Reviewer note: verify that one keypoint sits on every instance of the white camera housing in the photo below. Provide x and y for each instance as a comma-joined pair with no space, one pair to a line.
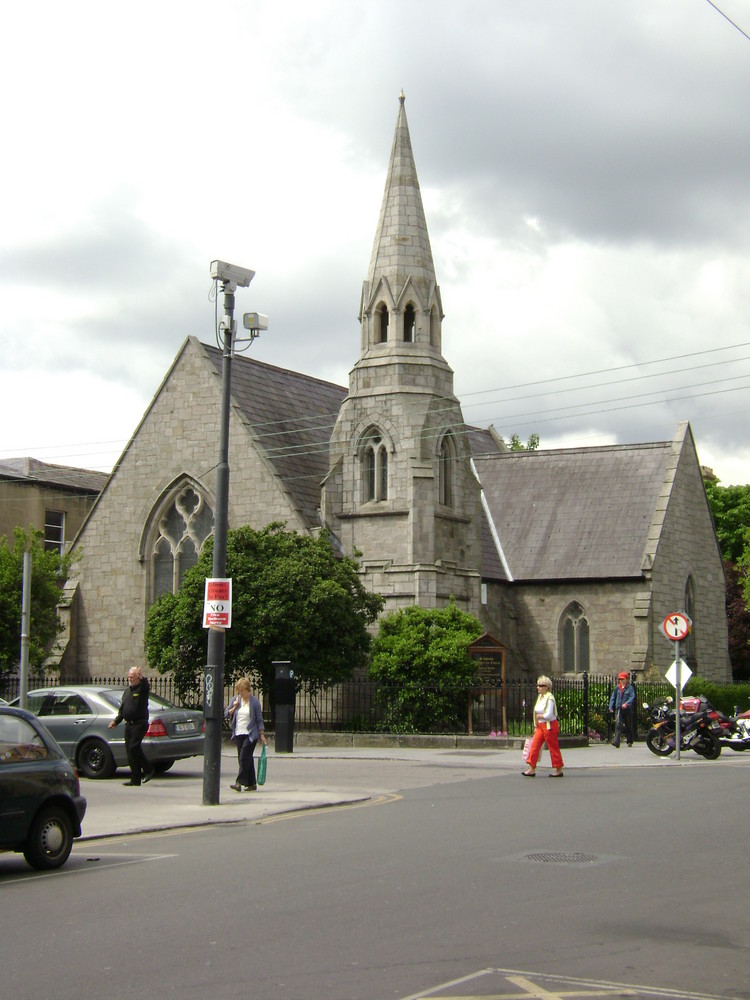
255,321
221,271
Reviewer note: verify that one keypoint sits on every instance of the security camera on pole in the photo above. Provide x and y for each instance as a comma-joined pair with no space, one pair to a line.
676,627
218,620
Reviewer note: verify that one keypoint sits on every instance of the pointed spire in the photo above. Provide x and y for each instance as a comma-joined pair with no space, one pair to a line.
402,244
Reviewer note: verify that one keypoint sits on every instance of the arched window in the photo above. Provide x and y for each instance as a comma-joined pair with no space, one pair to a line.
374,467
185,522
410,320
687,646
446,471
574,640
434,328
381,324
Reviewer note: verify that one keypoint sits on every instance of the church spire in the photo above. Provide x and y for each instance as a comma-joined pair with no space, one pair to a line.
402,244
401,283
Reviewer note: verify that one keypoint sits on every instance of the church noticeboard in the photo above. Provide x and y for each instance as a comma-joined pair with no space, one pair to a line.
489,655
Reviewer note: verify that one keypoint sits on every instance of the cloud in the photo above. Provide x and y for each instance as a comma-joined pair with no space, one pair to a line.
583,168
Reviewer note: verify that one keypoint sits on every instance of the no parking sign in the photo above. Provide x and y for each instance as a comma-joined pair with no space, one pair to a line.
217,604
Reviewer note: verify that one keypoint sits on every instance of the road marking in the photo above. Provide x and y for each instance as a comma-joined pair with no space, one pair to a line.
87,865
300,813
538,986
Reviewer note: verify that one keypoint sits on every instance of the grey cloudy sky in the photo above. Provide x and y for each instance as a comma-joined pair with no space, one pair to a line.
584,170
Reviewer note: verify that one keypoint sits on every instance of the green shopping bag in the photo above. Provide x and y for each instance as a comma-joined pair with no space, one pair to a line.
262,765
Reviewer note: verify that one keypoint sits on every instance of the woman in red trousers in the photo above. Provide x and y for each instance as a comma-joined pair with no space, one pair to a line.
547,728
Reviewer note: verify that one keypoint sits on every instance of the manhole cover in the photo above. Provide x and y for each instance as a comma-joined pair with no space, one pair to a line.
558,858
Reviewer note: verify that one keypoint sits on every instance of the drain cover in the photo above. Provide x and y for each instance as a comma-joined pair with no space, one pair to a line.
557,858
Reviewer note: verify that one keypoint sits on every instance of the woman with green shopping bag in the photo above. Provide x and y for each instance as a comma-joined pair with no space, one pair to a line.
247,728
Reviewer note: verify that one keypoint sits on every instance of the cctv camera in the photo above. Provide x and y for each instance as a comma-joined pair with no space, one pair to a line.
222,271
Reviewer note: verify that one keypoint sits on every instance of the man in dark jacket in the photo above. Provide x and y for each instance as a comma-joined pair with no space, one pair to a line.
134,712
622,705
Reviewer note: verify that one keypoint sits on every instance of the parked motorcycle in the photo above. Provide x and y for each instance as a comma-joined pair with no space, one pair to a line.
733,731
696,732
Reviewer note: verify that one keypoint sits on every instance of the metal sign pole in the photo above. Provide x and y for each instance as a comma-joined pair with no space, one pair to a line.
678,717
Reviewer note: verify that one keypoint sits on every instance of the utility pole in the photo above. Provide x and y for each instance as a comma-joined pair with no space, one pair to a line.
230,277
25,630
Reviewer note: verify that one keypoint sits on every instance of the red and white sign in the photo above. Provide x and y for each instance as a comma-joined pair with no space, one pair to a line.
676,626
217,604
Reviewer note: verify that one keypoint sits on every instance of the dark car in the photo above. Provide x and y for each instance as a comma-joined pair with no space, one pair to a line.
41,806
79,717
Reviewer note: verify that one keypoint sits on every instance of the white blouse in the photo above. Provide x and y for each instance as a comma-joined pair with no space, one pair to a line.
242,727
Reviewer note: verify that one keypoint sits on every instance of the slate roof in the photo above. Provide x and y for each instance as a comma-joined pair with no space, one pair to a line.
574,513
34,472
292,417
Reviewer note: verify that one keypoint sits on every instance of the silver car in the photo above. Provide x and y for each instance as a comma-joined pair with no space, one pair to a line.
79,717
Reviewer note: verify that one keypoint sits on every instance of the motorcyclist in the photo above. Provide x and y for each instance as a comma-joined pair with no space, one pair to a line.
622,706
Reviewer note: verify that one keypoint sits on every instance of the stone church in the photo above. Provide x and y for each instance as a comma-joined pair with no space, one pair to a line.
570,558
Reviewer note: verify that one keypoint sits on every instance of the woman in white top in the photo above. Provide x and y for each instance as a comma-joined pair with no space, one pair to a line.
546,730
247,728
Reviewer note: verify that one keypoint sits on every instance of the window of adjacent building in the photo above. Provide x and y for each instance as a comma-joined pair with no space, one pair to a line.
54,531
446,471
185,524
410,320
574,640
375,468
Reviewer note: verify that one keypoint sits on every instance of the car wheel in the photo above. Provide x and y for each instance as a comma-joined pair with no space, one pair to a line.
50,839
162,766
95,760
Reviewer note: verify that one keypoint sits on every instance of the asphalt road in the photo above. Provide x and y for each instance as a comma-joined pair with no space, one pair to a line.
452,877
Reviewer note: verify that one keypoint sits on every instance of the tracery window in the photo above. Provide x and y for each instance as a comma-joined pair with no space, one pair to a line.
183,527
446,471
374,467
574,639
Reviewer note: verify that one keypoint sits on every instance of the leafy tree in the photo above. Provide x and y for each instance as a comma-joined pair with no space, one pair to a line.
730,508
423,653
48,572
516,444
292,599
738,620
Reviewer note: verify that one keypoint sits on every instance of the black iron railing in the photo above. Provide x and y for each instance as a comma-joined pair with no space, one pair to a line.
486,708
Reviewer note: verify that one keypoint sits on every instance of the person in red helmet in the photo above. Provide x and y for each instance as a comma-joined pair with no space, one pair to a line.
622,706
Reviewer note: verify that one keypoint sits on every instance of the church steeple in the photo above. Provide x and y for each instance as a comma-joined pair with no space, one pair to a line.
400,298
400,491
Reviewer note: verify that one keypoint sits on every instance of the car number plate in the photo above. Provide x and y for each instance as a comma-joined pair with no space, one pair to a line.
184,727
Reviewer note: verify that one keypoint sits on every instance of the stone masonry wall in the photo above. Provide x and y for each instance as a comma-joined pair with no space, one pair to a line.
179,435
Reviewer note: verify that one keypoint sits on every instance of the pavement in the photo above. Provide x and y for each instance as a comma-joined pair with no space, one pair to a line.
316,777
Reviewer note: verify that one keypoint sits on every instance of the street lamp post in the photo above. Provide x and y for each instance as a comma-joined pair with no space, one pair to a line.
213,694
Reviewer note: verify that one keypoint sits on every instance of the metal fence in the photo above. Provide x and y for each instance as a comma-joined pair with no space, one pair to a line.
486,708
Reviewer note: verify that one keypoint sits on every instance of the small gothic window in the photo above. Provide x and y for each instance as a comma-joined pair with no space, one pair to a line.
381,324
409,324
434,328
375,468
183,527
687,646
574,640
446,472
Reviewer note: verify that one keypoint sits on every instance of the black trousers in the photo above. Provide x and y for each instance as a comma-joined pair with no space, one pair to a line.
139,765
626,722
245,750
